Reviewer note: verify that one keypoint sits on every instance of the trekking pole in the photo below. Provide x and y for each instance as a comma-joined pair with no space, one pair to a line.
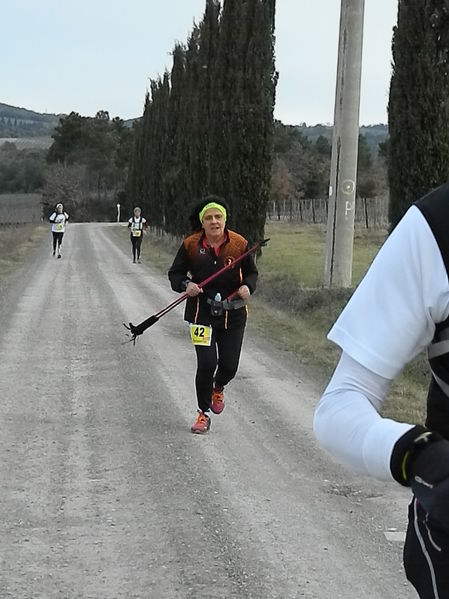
139,329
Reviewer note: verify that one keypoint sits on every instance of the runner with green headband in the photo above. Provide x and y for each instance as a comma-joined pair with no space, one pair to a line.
217,313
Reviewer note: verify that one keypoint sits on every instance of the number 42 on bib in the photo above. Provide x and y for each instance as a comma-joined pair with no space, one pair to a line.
201,334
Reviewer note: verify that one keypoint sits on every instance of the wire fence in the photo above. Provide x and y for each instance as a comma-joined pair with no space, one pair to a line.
371,213
20,208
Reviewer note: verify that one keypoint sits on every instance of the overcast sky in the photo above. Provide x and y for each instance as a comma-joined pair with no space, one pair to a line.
89,55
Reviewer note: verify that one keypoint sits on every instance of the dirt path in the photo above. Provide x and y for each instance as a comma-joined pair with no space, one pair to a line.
105,493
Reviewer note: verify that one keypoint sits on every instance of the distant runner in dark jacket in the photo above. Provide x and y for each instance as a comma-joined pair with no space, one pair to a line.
137,224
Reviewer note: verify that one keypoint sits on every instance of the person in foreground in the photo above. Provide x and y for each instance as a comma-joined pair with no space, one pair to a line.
58,221
400,308
216,313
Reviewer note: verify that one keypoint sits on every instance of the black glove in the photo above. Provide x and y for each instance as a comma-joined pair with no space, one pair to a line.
425,467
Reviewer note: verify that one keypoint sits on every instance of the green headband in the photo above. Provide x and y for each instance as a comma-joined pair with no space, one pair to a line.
219,207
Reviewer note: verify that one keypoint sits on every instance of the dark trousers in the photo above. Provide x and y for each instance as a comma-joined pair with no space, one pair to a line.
218,363
426,555
136,243
57,239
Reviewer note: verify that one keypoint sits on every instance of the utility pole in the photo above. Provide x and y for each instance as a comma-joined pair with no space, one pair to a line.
343,175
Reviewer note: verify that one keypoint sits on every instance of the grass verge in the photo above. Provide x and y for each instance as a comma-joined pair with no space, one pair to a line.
294,311
16,243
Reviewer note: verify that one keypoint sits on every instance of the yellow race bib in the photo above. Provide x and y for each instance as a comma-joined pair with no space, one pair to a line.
137,233
201,334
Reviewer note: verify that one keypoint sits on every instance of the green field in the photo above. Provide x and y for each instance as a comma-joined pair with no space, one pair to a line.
297,311
297,251
28,143
20,208
294,310
16,244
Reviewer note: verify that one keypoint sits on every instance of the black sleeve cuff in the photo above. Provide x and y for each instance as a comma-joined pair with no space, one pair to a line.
405,451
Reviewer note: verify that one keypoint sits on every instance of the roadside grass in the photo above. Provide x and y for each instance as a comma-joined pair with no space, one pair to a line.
16,242
294,312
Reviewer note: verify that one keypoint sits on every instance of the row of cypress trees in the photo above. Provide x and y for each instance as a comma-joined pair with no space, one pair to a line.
419,103
207,125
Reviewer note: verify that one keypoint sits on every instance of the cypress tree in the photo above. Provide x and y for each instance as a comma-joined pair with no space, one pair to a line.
134,183
243,123
207,57
153,135
419,103
159,143
207,127
174,163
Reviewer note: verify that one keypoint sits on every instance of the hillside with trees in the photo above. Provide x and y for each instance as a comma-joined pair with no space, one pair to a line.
301,163
20,122
82,146
88,165
300,167
373,134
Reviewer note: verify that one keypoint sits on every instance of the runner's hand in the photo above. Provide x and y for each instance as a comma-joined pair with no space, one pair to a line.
193,290
430,482
244,292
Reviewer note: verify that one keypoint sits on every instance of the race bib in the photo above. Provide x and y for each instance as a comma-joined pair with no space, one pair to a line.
201,334
137,233
59,226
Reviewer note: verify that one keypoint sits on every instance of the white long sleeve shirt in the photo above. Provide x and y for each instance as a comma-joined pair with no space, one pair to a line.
58,221
387,322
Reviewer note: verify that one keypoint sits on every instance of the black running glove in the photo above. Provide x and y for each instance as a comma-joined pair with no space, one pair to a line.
420,460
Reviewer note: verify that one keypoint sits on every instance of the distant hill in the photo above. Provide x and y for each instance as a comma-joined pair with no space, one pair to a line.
23,123
375,134
20,122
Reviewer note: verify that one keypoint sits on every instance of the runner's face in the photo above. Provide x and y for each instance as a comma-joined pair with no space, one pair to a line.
137,213
60,209
213,223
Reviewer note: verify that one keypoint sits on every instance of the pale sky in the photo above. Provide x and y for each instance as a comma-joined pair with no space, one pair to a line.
90,55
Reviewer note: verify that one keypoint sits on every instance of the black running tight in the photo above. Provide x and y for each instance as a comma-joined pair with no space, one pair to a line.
426,555
57,239
218,363
136,243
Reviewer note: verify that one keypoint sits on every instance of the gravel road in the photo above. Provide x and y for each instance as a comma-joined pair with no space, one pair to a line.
107,494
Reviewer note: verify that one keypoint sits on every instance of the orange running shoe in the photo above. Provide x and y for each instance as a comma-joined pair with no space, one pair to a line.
217,401
202,424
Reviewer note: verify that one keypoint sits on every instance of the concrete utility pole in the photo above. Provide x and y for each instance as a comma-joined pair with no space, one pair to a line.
342,188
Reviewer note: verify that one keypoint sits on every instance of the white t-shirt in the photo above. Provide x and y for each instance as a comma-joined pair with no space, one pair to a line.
137,224
58,222
388,321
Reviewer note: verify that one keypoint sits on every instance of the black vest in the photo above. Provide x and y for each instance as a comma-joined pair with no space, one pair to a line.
435,209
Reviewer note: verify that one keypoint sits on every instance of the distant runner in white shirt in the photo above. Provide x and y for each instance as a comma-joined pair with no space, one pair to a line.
137,224
59,220
400,308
